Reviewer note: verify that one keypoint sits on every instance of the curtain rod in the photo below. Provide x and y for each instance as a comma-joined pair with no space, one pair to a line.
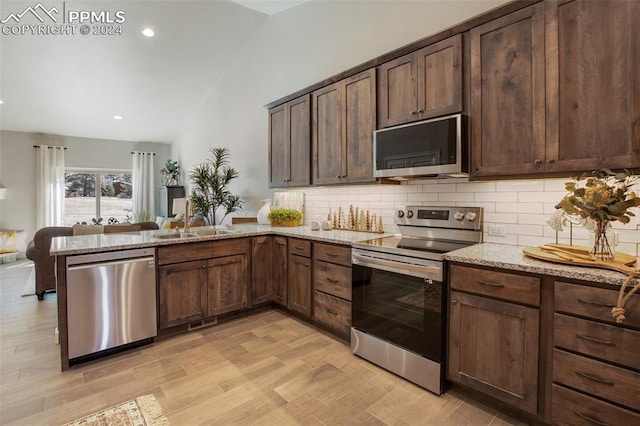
50,147
145,153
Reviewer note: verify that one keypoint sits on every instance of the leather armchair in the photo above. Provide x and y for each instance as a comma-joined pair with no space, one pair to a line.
38,251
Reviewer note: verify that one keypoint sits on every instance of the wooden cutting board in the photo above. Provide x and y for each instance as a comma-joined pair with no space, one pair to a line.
578,256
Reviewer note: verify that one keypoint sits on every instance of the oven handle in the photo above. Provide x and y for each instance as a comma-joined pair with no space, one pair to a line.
428,272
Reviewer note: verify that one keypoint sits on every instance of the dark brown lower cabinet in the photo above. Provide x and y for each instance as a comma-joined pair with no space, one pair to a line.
299,292
226,284
182,296
493,348
279,280
262,267
202,280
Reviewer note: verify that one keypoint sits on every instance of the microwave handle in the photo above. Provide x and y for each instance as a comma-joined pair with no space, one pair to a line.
426,272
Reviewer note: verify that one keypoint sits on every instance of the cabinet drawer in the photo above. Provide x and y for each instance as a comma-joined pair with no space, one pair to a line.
608,342
598,378
502,285
572,409
332,279
202,250
594,303
334,254
331,311
300,247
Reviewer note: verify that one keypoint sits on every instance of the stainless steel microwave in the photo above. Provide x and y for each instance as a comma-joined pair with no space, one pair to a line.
430,148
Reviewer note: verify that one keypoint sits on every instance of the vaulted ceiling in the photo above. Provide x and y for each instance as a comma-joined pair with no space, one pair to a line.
74,84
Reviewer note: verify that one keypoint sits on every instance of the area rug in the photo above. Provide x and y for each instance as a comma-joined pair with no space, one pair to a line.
142,411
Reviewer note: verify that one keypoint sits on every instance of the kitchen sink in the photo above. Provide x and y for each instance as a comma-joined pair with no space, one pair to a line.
199,233
173,236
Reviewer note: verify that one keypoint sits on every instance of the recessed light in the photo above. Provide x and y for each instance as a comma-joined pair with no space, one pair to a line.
117,117
148,32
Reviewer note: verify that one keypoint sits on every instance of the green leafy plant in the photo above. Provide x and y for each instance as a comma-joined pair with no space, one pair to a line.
276,216
171,172
211,186
605,196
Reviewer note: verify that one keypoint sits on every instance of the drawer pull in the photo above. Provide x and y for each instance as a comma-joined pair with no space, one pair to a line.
332,280
332,255
590,420
331,311
491,284
299,248
594,378
596,303
594,340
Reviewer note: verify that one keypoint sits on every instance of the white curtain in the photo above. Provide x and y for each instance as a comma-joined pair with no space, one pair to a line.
143,186
49,186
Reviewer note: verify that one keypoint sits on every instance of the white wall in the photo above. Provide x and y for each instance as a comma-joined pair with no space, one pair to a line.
294,49
17,169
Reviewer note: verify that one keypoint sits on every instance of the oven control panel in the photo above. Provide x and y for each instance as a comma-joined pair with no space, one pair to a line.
440,217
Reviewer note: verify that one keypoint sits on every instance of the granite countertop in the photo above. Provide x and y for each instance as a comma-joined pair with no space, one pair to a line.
511,257
82,244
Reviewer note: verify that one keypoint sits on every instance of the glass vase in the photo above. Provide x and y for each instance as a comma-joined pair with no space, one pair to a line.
601,249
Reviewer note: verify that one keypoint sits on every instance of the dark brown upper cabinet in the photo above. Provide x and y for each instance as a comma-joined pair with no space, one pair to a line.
290,143
508,94
423,84
344,118
593,84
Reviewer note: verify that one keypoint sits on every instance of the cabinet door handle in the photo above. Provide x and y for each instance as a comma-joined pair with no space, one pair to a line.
332,280
551,160
454,301
594,378
594,340
420,111
537,161
331,311
491,284
596,303
590,420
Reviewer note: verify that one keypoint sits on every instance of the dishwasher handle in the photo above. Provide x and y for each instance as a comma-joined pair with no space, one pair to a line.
150,259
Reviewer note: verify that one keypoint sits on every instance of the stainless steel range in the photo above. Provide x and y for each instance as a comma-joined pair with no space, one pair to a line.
399,291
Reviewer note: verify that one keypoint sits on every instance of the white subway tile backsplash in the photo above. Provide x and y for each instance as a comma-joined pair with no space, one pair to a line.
520,185
520,206
476,187
505,197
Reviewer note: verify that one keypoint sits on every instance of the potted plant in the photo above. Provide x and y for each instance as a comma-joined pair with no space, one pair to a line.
284,217
211,186
170,173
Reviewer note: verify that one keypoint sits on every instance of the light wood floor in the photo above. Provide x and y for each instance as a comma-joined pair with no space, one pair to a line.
267,369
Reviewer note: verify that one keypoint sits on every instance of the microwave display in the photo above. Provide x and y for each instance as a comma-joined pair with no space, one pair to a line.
422,148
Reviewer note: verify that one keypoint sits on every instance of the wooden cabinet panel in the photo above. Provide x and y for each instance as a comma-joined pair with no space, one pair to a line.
332,279
597,378
440,78
576,409
501,285
603,341
508,94
423,84
594,303
202,250
493,348
279,277
397,91
300,286
262,266
300,247
333,312
344,117
290,143
181,293
593,84
327,134
227,284
332,253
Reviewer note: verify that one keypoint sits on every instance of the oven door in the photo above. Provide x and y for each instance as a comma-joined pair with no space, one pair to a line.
400,301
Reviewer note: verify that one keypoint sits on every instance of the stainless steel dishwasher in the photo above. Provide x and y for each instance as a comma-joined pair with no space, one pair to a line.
111,300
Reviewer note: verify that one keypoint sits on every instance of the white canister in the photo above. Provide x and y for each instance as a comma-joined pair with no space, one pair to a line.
265,208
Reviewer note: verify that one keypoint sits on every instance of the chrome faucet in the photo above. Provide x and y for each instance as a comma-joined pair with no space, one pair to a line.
186,215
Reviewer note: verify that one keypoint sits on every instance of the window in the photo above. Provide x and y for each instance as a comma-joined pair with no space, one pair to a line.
82,202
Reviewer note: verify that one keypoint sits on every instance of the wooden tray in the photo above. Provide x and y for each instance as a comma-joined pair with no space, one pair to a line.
578,256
